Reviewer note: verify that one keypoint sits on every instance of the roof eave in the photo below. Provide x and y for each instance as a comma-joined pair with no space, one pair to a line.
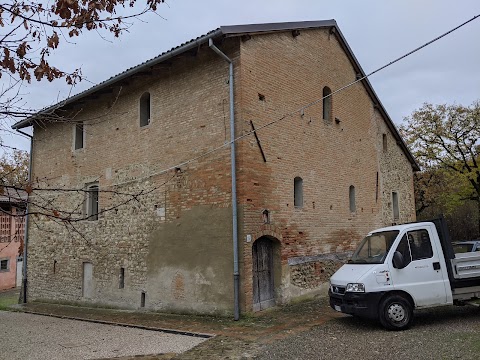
115,79
236,30
378,103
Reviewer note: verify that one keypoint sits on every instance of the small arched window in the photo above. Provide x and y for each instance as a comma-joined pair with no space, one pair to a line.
327,103
145,109
351,197
298,192
266,216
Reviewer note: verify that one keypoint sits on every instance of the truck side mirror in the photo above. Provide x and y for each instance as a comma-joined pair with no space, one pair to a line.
398,262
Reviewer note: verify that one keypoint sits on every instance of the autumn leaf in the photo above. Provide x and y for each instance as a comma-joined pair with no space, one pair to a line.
52,41
22,49
28,189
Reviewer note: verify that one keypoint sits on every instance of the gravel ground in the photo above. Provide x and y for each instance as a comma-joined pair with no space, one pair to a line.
26,336
442,333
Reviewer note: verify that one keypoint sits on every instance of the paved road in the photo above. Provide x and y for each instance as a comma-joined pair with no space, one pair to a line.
26,336
442,333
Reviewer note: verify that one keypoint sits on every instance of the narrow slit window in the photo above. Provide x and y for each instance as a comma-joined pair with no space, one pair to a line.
142,299
121,284
145,109
385,144
79,136
298,192
351,196
92,202
396,210
327,103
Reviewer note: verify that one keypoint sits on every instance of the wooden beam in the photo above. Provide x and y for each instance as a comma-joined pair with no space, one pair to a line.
258,141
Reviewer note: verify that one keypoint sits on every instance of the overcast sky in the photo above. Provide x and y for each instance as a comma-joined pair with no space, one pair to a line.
378,32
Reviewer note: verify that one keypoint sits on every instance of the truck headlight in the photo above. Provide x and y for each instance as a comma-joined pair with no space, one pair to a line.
355,287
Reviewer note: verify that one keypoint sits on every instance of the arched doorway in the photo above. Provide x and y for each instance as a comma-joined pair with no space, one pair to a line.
263,273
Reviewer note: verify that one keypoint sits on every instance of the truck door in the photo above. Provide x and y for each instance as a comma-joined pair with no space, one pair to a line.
423,277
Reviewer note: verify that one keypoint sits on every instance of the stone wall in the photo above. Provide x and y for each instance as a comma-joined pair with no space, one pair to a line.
173,239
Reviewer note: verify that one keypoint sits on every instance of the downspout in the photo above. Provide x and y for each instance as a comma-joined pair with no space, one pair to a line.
236,275
25,242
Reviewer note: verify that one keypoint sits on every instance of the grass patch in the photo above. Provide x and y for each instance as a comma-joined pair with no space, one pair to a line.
6,301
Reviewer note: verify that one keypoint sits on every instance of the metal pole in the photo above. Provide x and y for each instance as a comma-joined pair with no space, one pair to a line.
25,242
236,274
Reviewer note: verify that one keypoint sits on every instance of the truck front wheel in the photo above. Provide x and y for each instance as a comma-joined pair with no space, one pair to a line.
395,313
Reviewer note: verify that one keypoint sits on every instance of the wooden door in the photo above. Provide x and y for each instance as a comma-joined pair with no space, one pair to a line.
263,284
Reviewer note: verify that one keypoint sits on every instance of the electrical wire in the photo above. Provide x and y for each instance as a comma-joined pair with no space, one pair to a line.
301,109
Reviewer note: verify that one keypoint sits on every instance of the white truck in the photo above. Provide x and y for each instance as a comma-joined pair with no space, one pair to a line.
401,268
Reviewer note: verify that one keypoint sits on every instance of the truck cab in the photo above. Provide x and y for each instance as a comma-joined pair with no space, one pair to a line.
400,268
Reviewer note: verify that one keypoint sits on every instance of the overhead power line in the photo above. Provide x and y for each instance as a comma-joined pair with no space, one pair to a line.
301,109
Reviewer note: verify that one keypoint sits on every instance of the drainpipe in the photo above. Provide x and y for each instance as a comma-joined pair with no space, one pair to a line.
25,242
236,275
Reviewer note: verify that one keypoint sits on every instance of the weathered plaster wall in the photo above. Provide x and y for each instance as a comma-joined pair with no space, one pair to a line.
11,240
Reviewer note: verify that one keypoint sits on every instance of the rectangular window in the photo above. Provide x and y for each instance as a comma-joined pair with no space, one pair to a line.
79,136
298,192
5,265
145,109
385,145
92,202
396,211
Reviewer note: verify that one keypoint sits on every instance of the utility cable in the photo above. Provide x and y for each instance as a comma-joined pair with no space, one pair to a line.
300,110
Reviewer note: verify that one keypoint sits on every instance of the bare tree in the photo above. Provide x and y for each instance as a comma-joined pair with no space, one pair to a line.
32,30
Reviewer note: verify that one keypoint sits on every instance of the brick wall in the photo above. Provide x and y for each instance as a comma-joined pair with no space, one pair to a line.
328,155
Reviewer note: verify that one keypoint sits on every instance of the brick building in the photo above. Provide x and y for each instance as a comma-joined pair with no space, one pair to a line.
309,186
12,231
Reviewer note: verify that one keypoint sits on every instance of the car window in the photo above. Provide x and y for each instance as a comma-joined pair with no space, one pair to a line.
415,245
420,245
404,249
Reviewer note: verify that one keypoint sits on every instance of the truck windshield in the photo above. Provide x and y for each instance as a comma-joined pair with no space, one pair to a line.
374,248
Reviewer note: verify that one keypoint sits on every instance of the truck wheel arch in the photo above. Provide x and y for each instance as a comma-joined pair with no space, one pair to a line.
404,294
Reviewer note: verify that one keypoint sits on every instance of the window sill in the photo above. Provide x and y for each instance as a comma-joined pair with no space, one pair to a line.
78,151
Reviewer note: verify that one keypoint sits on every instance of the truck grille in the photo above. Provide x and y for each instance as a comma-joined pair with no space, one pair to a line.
338,289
